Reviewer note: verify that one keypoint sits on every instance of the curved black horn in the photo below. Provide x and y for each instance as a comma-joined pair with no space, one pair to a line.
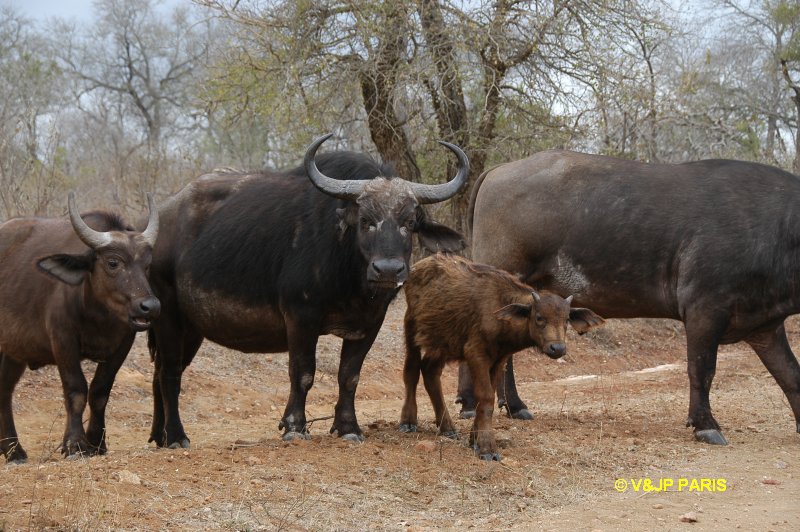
437,193
90,237
151,232
349,189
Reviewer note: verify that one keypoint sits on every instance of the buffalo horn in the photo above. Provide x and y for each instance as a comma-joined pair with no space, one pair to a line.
436,193
349,189
90,237
151,232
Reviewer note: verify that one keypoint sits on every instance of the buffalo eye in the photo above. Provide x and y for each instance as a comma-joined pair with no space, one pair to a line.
112,264
540,321
410,224
366,224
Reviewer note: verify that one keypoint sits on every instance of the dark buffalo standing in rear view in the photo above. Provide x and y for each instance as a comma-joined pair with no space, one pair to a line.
268,262
715,244
459,310
61,302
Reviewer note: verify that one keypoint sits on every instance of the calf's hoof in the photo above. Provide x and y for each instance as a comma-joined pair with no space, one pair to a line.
292,435
491,456
711,436
183,443
353,437
522,414
407,427
466,414
452,434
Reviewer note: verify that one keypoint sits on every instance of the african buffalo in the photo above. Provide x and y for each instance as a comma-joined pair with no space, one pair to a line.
269,261
715,244
71,290
460,310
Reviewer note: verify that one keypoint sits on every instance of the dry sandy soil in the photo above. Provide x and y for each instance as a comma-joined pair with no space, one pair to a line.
614,408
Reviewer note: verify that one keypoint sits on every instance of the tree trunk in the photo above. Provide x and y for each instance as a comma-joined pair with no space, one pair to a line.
448,99
378,80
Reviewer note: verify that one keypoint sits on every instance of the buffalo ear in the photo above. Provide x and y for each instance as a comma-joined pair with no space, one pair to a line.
512,311
436,237
583,319
348,217
70,269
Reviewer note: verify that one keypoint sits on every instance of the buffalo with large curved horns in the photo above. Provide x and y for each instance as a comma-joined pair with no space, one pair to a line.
269,261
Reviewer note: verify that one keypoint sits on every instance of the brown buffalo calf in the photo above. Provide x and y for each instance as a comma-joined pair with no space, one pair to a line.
459,310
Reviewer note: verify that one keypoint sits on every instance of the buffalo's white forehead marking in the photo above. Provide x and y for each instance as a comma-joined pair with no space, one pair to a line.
385,198
568,275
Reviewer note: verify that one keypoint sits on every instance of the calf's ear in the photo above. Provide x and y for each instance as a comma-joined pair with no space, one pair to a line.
436,237
512,311
583,319
70,269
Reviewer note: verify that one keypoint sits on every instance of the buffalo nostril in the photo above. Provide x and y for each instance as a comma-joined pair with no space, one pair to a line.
150,306
392,267
557,349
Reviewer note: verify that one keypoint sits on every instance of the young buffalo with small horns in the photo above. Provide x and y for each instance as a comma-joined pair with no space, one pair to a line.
460,310
71,290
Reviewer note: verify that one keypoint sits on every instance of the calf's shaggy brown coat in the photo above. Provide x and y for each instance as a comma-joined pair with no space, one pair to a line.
459,310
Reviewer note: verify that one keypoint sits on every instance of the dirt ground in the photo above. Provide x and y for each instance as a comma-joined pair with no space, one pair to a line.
609,414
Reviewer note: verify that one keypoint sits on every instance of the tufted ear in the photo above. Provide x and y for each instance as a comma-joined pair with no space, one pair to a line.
70,269
512,311
583,319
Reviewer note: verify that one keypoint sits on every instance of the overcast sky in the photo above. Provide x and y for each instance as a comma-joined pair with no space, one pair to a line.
76,9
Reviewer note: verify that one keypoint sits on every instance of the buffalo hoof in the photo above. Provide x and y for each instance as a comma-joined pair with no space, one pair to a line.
289,436
466,414
180,444
712,436
353,437
489,457
16,455
76,455
522,414
407,427
452,434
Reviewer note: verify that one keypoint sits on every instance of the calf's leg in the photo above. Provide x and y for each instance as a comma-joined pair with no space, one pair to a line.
482,436
432,366
10,373
411,371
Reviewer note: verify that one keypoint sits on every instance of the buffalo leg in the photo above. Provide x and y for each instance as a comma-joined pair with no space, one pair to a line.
353,354
702,339
466,393
76,391
10,373
302,367
481,436
173,349
773,349
99,391
507,395
411,370
432,367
